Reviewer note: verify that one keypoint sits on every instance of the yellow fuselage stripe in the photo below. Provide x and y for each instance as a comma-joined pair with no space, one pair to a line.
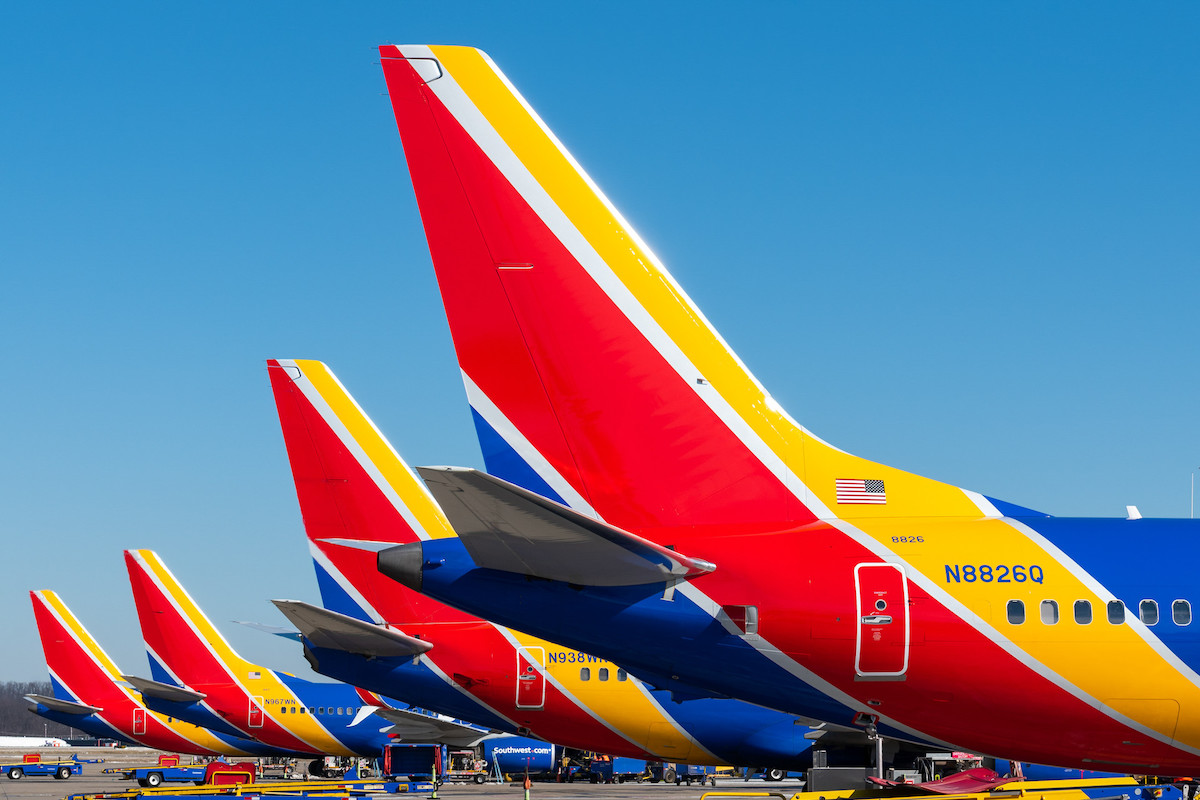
620,704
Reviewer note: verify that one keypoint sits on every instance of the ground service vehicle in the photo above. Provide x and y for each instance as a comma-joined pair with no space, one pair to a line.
176,773
32,765
465,766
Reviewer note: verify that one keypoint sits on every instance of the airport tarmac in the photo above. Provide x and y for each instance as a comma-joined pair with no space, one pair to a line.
93,782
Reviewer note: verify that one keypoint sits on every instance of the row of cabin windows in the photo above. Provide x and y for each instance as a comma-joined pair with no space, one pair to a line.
585,674
1181,612
321,710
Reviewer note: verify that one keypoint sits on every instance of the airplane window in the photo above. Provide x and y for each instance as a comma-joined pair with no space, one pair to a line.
1016,611
1083,612
339,711
585,674
603,674
1050,612
1148,612
321,710
310,710
622,675
1116,612
1181,612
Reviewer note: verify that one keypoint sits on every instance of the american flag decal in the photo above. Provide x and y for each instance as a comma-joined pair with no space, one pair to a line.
851,491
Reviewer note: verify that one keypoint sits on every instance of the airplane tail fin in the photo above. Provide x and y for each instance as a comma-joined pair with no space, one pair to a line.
183,645
357,496
80,671
593,378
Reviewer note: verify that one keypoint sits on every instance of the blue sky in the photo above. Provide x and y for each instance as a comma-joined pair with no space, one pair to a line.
959,238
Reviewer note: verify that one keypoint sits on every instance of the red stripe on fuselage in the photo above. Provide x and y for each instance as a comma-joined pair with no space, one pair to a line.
960,686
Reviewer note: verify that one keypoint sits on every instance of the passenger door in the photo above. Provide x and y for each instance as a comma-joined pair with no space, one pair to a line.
256,712
531,677
881,651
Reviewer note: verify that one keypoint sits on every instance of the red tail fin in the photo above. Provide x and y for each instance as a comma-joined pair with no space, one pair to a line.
79,667
356,495
182,643
584,361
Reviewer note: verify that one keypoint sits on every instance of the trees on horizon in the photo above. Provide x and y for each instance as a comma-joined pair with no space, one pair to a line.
17,720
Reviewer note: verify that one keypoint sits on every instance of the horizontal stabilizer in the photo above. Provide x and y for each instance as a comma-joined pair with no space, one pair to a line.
63,706
334,631
163,691
507,528
412,726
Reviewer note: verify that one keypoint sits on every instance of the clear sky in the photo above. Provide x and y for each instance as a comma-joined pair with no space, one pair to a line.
960,238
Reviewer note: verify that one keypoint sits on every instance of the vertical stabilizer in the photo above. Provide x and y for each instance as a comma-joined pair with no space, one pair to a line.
585,363
357,496
185,648
183,645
